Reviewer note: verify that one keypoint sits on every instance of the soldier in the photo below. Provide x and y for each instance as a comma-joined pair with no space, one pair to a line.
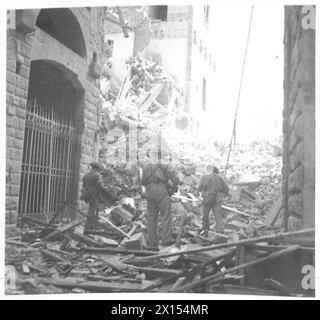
91,188
160,182
212,186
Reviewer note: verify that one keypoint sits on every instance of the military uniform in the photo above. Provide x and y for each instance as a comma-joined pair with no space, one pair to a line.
92,186
212,187
155,178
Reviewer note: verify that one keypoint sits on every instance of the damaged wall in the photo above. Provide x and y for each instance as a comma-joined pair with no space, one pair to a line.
201,102
170,30
299,118
27,42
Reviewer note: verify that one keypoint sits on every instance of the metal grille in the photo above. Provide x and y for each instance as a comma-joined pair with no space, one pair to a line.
47,162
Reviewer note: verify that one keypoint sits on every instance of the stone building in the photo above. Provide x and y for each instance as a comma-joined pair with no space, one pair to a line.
299,118
169,42
201,78
53,58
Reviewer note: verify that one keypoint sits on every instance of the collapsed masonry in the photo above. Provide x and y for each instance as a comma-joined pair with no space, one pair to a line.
251,257
60,257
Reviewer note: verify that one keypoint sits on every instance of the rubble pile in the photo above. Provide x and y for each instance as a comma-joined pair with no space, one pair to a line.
61,258
48,258
51,257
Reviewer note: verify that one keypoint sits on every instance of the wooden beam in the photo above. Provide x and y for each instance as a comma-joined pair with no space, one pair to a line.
115,227
106,250
95,286
278,236
122,23
53,256
112,20
62,229
189,273
235,211
273,213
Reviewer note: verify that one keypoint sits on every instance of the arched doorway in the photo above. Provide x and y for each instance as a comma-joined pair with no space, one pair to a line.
62,25
49,166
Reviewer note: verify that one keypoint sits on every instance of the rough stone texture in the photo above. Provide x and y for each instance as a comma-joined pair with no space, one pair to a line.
296,157
299,122
22,49
295,183
294,223
295,205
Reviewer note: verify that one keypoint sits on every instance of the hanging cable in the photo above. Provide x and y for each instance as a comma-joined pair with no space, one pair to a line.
233,135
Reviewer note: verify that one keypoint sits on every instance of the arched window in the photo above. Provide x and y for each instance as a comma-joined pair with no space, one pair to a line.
62,25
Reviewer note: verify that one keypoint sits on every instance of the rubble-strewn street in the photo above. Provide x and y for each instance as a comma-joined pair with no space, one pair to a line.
60,258
117,122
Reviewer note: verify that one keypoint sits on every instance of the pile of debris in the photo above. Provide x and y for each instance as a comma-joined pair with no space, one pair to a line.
145,110
51,257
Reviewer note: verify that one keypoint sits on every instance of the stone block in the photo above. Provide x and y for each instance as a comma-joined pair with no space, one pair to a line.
136,242
8,218
21,113
296,159
299,103
15,178
18,134
16,101
295,183
11,203
294,223
21,93
17,154
15,165
17,143
11,78
10,131
293,141
299,127
25,20
20,124
9,141
121,216
12,217
11,65
295,205
14,191
22,83
10,89
95,70
24,72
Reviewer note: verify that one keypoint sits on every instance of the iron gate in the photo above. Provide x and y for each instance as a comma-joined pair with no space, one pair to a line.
48,161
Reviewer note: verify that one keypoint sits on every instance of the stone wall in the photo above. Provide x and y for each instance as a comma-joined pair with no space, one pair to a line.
299,120
23,47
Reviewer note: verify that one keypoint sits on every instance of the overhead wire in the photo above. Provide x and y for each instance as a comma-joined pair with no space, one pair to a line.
233,135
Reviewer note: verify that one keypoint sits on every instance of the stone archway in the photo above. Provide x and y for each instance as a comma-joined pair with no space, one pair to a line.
63,25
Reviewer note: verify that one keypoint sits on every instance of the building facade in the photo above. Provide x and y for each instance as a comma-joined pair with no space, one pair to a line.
169,42
53,58
200,102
